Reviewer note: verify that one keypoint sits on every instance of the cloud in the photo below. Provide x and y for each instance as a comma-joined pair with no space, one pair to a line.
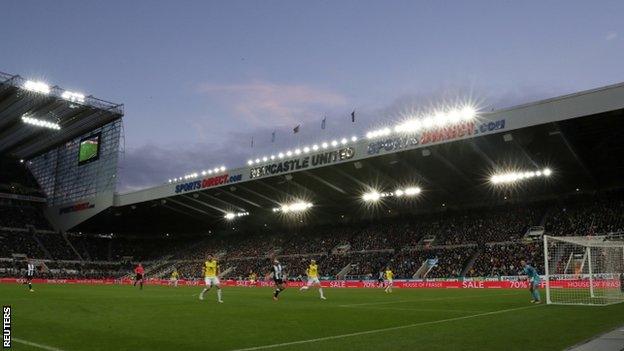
151,164
611,36
259,102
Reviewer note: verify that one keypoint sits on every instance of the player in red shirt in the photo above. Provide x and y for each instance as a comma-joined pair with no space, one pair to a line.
139,271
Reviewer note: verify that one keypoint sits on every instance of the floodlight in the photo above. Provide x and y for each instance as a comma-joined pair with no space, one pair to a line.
412,191
293,207
73,97
40,123
37,87
468,113
513,176
371,196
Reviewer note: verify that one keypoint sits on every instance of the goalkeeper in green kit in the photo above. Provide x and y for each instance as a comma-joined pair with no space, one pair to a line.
534,281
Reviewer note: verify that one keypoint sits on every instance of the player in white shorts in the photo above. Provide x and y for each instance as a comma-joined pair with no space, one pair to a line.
313,278
211,277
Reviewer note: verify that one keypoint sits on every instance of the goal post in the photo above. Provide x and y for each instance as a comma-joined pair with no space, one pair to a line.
582,270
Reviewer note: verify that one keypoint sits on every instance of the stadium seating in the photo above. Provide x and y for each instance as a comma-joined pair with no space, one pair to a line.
478,242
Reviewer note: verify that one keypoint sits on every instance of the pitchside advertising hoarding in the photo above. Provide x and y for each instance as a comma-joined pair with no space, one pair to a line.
495,283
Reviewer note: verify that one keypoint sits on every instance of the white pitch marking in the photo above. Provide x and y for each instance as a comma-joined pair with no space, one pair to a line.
375,331
433,299
34,344
416,309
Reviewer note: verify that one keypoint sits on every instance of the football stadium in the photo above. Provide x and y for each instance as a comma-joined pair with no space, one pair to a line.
452,229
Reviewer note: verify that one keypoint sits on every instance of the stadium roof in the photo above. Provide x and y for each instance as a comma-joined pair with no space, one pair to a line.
577,137
35,117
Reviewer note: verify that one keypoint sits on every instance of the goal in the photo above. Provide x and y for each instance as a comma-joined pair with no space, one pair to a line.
582,270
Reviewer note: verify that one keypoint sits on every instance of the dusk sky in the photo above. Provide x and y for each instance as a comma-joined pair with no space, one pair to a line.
199,79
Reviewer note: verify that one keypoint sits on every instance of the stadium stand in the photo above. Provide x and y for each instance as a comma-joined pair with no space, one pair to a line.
479,242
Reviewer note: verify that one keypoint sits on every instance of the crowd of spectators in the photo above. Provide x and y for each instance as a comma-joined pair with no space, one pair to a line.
587,215
22,216
504,259
492,236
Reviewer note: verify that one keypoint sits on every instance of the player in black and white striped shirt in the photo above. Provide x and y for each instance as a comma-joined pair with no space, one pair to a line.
30,273
278,278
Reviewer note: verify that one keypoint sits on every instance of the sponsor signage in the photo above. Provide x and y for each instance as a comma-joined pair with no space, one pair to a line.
77,207
452,132
302,163
406,284
208,182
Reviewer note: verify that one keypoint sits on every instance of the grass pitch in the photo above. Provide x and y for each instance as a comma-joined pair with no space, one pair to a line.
81,317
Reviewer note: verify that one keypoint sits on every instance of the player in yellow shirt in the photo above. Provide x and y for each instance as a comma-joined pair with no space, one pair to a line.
174,278
211,277
313,278
389,277
253,277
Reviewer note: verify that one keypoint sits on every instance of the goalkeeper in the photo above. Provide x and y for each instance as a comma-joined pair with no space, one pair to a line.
534,281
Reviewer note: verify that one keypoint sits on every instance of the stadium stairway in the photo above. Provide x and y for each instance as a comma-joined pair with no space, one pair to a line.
64,235
40,244
158,264
227,271
471,262
344,271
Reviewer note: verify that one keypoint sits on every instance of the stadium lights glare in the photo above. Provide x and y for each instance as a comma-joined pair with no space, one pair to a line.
40,123
374,196
37,87
294,207
438,119
73,97
303,150
514,177
232,215
196,175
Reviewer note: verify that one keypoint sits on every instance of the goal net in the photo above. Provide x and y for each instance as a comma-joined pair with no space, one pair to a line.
582,270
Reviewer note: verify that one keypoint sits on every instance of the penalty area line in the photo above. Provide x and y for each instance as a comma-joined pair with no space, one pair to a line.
375,331
34,344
